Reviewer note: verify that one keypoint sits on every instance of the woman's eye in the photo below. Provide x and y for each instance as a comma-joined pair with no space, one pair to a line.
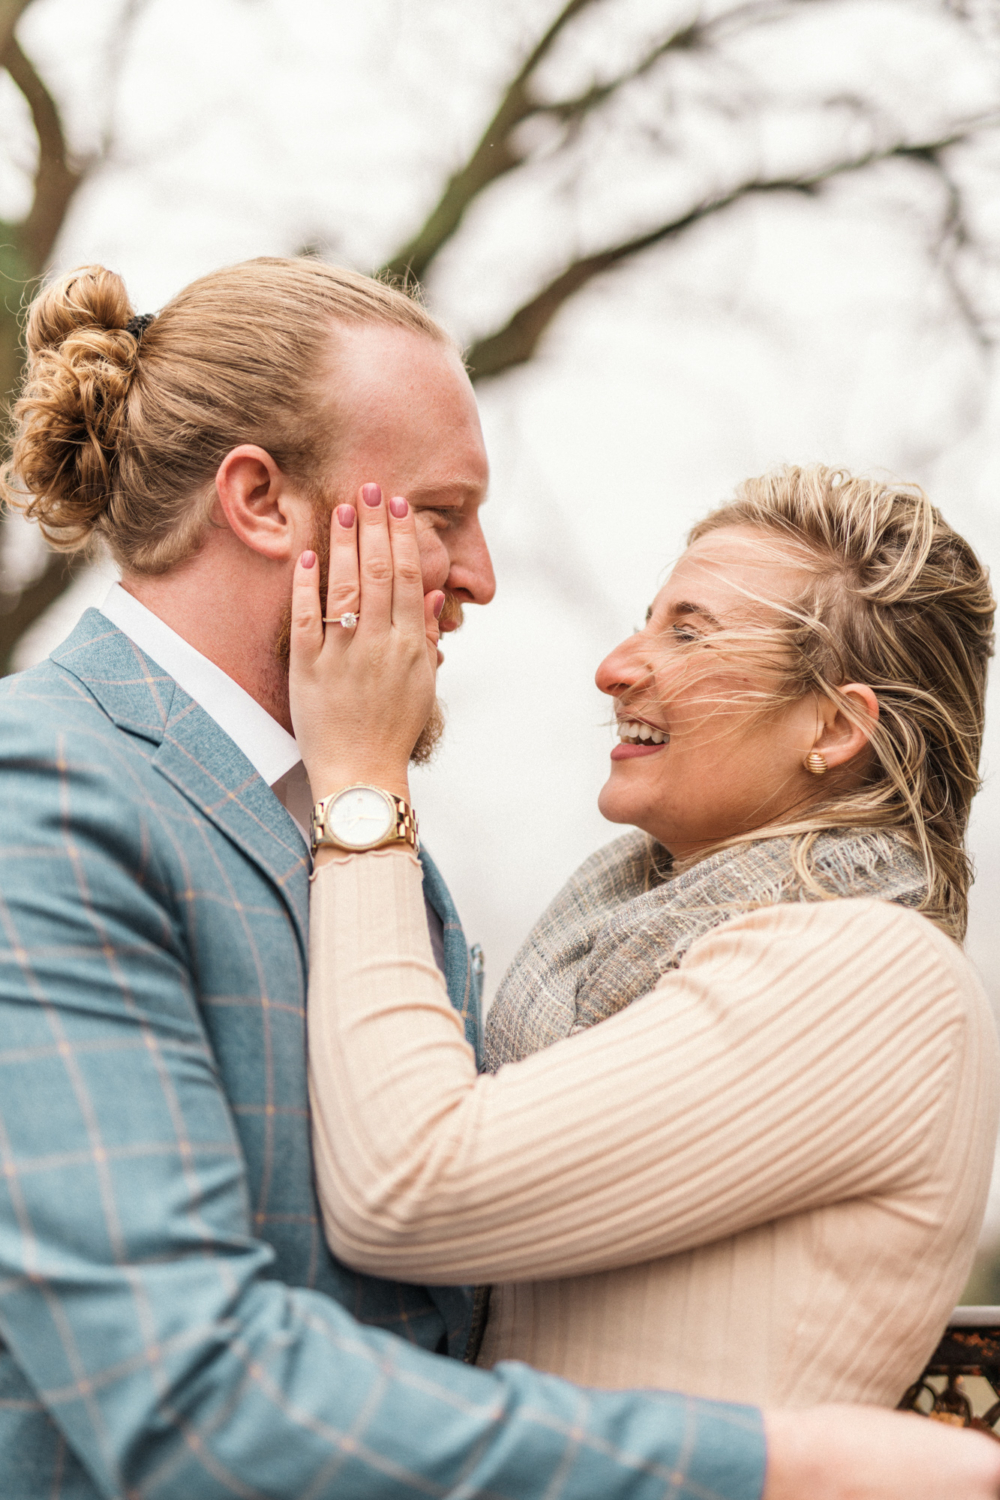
686,633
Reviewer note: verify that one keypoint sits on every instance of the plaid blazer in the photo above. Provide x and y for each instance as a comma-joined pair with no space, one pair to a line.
173,1323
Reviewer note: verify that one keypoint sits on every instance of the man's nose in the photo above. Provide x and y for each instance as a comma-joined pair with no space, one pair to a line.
470,574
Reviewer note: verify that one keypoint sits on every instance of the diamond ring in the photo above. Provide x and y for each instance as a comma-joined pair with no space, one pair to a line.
348,619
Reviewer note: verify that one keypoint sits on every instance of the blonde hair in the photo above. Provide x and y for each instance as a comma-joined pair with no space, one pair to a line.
118,431
899,601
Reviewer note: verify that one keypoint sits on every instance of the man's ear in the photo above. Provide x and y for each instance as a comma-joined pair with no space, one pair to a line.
258,506
839,738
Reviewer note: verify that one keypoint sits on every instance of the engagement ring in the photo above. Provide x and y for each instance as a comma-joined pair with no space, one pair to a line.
349,619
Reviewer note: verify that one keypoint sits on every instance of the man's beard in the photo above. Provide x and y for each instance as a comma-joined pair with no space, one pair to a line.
432,733
429,738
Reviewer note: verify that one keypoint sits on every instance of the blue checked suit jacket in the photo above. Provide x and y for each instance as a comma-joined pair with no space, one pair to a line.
173,1323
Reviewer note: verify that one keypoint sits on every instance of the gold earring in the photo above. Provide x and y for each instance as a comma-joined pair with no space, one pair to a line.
816,763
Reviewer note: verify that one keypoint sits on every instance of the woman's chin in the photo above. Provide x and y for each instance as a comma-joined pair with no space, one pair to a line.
616,806
619,801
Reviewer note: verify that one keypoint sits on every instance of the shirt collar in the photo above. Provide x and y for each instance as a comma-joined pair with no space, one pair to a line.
269,748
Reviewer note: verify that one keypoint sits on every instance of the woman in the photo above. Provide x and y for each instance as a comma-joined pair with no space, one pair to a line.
762,1175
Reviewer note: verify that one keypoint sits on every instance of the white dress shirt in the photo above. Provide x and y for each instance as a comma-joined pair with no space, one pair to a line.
269,748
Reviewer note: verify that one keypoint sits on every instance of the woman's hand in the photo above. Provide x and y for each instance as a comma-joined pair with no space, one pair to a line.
360,696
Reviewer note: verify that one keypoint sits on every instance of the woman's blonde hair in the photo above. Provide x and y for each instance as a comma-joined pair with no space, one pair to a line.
899,601
120,427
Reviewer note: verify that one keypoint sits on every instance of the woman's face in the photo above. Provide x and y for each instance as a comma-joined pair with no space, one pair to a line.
708,762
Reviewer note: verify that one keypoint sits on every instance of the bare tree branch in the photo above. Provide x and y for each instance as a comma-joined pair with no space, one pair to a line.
10,13
55,179
491,158
693,35
517,341
25,253
578,105
749,14
955,236
30,602
495,154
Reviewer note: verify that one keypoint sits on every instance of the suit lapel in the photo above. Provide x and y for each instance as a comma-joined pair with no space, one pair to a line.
208,768
193,753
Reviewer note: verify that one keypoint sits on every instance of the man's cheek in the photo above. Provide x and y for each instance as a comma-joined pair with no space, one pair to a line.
434,560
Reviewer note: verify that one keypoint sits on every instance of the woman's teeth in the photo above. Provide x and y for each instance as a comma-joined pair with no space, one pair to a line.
631,732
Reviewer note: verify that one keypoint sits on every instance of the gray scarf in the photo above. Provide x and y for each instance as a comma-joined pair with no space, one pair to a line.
619,923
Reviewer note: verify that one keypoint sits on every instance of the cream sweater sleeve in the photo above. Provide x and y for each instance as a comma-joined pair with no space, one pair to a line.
800,1056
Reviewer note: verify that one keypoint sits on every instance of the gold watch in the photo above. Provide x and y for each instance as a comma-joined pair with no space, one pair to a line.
363,817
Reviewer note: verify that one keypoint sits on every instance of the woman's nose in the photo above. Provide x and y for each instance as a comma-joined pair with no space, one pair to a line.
622,668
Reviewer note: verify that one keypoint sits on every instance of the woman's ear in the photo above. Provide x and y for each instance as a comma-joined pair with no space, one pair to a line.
256,501
839,737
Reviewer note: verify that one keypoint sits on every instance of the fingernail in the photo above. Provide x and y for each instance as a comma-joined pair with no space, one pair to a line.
439,606
345,515
371,494
398,507
308,559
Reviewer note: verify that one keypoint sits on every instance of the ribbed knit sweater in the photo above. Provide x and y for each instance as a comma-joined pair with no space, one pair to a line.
763,1181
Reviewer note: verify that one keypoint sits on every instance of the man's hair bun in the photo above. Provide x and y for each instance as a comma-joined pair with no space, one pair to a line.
69,418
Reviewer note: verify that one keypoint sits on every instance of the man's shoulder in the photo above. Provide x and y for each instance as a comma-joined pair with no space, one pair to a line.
43,688
45,703
37,701
95,682
58,740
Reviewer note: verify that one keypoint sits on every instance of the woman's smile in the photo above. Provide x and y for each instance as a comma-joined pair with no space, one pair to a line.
638,737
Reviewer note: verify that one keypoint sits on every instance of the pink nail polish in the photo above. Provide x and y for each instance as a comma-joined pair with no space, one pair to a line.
399,507
308,559
371,494
345,515
439,606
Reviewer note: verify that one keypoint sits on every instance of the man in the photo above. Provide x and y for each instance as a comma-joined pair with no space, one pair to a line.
173,1324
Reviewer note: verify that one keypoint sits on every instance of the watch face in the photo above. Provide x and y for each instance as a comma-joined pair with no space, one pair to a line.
360,816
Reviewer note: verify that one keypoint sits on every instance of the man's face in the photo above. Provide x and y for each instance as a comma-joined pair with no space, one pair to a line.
407,420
